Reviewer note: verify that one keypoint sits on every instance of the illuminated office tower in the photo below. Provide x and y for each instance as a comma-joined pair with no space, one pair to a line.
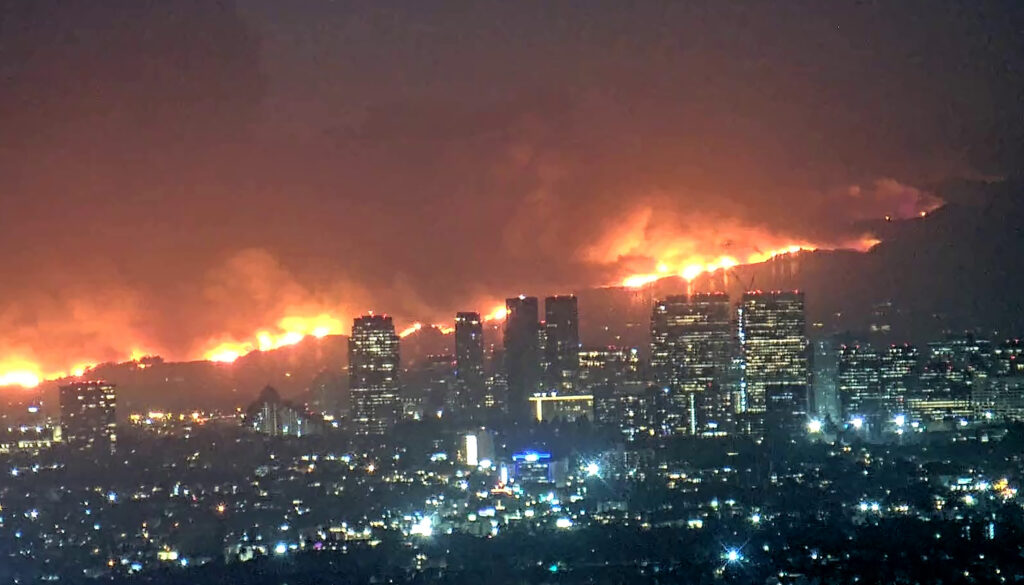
999,398
561,344
691,340
959,362
959,370
88,414
897,375
569,408
635,411
373,374
860,388
774,349
469,361
608,368
825,403
1007,358
522,355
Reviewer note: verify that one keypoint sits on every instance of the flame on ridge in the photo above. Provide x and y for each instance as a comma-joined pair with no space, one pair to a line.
290,330
692,268
497,314
293,329
28,374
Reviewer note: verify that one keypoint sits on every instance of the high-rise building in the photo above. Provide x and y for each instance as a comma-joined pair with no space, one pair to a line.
774,347
691,342
373,374
1000,398
469,361
955,369
635,411
898,375
271,416
825,403
561,344
1008,358
442,391
569,408
875,386
860,389
522,354
88,414
959,362
608,367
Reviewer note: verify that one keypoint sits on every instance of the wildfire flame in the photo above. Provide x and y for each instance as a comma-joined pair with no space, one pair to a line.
410,330
290,330
497,314
29,374
17,373
692,268
444,329
675,261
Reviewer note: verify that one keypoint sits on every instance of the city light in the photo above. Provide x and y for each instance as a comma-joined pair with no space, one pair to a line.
424,527
626,304
471,450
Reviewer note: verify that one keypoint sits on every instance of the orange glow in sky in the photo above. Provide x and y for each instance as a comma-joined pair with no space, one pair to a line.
294,328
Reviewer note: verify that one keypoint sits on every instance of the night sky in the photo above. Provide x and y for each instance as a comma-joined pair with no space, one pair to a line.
174,173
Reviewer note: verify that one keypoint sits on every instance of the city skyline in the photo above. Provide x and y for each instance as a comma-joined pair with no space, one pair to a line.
209,209
585,292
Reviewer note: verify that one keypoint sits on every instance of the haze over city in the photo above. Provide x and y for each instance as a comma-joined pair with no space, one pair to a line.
182,176
580,292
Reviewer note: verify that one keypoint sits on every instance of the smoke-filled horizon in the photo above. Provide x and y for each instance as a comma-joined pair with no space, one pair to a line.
182,175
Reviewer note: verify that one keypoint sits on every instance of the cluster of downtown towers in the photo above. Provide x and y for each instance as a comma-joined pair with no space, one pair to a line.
715,367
